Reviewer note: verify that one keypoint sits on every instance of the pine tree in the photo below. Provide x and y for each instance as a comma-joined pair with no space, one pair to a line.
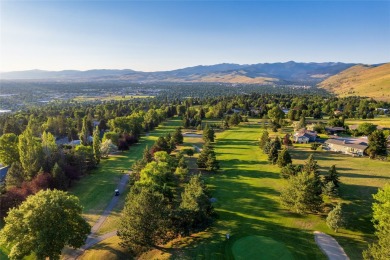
196,203
311,167
273,155
284,158
299,195
277,143
96,145
212,164
208,134
145,219
332,176
178,136
264,139
335,220
59,178
147,156
84,133
15,175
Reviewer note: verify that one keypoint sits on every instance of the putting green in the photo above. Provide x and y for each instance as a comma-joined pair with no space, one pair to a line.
258,247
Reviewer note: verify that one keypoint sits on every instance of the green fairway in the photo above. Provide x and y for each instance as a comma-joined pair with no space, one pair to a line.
247,193
258,247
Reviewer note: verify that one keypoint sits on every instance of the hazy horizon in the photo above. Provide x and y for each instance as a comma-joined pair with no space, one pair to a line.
168,35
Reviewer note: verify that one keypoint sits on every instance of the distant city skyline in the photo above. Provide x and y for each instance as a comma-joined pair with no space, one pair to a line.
167,35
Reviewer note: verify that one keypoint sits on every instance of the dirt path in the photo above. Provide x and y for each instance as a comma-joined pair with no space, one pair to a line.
330,246
93,238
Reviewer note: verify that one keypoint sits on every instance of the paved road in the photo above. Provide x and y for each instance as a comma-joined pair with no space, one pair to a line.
93,238
330,246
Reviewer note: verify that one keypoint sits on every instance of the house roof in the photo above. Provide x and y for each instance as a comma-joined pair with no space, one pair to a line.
307,133
356,143
334,128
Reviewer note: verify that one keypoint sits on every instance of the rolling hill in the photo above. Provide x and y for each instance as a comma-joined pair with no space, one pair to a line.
261,73
361,80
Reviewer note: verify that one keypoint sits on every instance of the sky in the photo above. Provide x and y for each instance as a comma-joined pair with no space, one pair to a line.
166,35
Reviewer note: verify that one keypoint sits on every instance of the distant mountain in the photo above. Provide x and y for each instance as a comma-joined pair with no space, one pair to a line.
262,73
361,80
64,74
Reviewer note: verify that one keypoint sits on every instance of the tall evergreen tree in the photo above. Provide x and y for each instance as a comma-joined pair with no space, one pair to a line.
284,158
84,133
278,143
196,203
273,155
15,176
300,194
178,136
59,178
332,176
208,134
145,220
96,145
335,220
264,139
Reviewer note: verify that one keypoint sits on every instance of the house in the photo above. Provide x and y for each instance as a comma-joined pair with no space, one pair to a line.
3,172
334,130
304,136
347,145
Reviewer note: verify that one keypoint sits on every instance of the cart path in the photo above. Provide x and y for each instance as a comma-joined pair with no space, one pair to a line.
329,246
93,238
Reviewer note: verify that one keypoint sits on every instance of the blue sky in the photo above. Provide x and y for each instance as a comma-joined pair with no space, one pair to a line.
165,35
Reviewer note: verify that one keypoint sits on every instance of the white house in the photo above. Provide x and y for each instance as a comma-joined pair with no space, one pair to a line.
353,146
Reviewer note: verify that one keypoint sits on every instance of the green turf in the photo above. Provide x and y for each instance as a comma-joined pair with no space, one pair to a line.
247,191
259,247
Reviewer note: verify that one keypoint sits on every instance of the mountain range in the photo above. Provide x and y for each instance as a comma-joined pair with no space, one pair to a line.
261,73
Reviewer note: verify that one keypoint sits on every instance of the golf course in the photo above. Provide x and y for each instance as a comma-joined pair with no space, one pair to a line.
246,193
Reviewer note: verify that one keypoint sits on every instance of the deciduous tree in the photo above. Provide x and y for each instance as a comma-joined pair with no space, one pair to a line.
44,224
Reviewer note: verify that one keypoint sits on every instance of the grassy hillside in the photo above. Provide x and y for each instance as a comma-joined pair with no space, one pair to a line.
361,80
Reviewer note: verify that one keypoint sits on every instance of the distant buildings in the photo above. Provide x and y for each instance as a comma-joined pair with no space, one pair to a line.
347,145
